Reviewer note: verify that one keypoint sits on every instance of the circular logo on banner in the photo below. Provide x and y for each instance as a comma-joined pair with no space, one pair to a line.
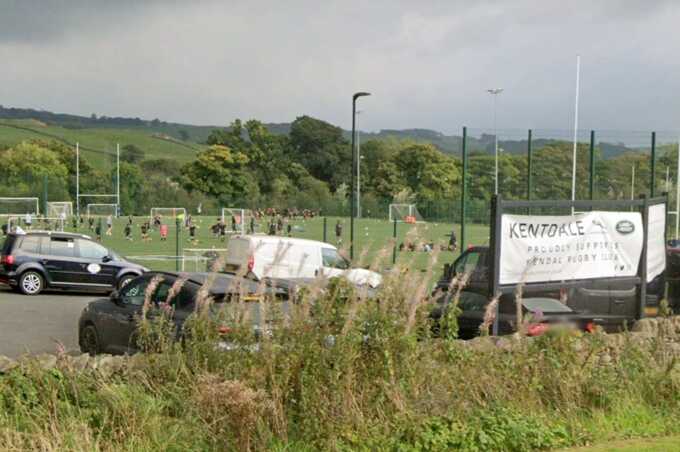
94,268
625,227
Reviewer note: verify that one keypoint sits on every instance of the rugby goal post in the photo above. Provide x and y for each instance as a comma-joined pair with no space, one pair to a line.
202,259
236,219
101,210
172,212
405,213
59,209
11,206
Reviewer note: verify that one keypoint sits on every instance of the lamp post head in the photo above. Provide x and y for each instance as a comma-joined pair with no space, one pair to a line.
494,90
360,94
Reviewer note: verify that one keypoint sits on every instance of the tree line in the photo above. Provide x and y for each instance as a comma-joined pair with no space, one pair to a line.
309,167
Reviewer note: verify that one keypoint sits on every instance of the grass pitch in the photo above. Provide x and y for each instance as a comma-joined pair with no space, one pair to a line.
371,236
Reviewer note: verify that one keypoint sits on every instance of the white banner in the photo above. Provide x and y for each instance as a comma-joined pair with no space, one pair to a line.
656,241
562,248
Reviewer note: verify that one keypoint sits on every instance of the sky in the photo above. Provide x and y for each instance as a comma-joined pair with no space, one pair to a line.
427,64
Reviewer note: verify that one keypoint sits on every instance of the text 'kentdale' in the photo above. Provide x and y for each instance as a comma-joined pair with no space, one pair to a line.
533,231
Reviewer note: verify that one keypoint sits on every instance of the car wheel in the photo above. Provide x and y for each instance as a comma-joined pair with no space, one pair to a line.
89,341
31,283
124,280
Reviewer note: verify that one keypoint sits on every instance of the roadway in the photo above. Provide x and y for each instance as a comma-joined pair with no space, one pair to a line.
37,324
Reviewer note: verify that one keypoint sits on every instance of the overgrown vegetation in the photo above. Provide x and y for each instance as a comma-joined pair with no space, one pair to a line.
341,371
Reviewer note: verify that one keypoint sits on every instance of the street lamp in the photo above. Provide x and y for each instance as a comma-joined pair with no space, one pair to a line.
495,92
353,172
359,157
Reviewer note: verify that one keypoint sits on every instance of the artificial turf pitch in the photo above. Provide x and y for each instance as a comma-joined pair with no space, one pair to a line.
371,236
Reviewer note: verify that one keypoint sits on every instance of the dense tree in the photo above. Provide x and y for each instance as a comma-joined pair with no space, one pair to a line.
221,173
322,149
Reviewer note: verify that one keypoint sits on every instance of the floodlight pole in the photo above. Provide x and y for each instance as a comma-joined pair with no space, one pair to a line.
573,161
353,172
358,167
78,181
495,92
677,195
117,179
632,183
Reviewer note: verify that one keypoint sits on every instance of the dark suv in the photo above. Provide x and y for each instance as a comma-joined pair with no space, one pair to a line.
615,303
38,260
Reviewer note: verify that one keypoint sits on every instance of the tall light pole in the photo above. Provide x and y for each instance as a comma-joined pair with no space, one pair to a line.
358,165
573,161
353,172
495,92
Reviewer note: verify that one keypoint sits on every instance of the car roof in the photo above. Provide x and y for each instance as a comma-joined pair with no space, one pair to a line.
278,239
52,234
221,283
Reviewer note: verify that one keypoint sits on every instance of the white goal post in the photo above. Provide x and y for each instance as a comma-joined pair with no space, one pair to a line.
19,206
172,212
236,219
101,210
202,259
59,209
405,213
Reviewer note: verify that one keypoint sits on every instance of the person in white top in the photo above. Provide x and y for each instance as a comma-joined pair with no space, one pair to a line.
28,220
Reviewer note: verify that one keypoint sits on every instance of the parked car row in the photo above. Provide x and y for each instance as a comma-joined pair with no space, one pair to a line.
38,260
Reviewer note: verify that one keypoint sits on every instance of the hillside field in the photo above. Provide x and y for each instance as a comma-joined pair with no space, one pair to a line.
98,144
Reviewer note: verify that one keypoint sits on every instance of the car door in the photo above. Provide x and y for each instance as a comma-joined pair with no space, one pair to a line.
119,332
472,306
62,264
333,264
99,269
473,264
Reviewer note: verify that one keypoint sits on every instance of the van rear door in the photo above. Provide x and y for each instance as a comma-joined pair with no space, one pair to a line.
238,253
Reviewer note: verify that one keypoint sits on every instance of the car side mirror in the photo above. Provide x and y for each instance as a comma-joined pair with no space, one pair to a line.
107,258
115,297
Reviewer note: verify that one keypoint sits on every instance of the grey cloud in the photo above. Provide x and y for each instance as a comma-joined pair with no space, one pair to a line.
427,63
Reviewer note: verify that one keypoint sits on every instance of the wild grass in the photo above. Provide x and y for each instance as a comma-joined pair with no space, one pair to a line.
336,369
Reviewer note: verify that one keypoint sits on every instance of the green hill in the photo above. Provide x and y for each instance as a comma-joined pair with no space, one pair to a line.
98,144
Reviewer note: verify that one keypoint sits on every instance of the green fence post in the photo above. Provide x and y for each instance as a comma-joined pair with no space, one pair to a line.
529,162
325,231
394,248
177,232
653,166
45,195
592,165
463,191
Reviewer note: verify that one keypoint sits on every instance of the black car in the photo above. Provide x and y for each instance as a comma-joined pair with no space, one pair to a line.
37,260
539,313
615,302
109,325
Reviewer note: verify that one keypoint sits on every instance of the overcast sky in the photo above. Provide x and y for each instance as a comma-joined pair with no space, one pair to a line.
427,63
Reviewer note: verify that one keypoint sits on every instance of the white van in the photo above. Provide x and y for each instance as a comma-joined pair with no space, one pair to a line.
265,256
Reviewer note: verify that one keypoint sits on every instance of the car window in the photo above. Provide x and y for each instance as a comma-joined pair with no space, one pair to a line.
467,263
133,292
472,302
63,247
30,244
184,298
331,258
471,262
91,250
